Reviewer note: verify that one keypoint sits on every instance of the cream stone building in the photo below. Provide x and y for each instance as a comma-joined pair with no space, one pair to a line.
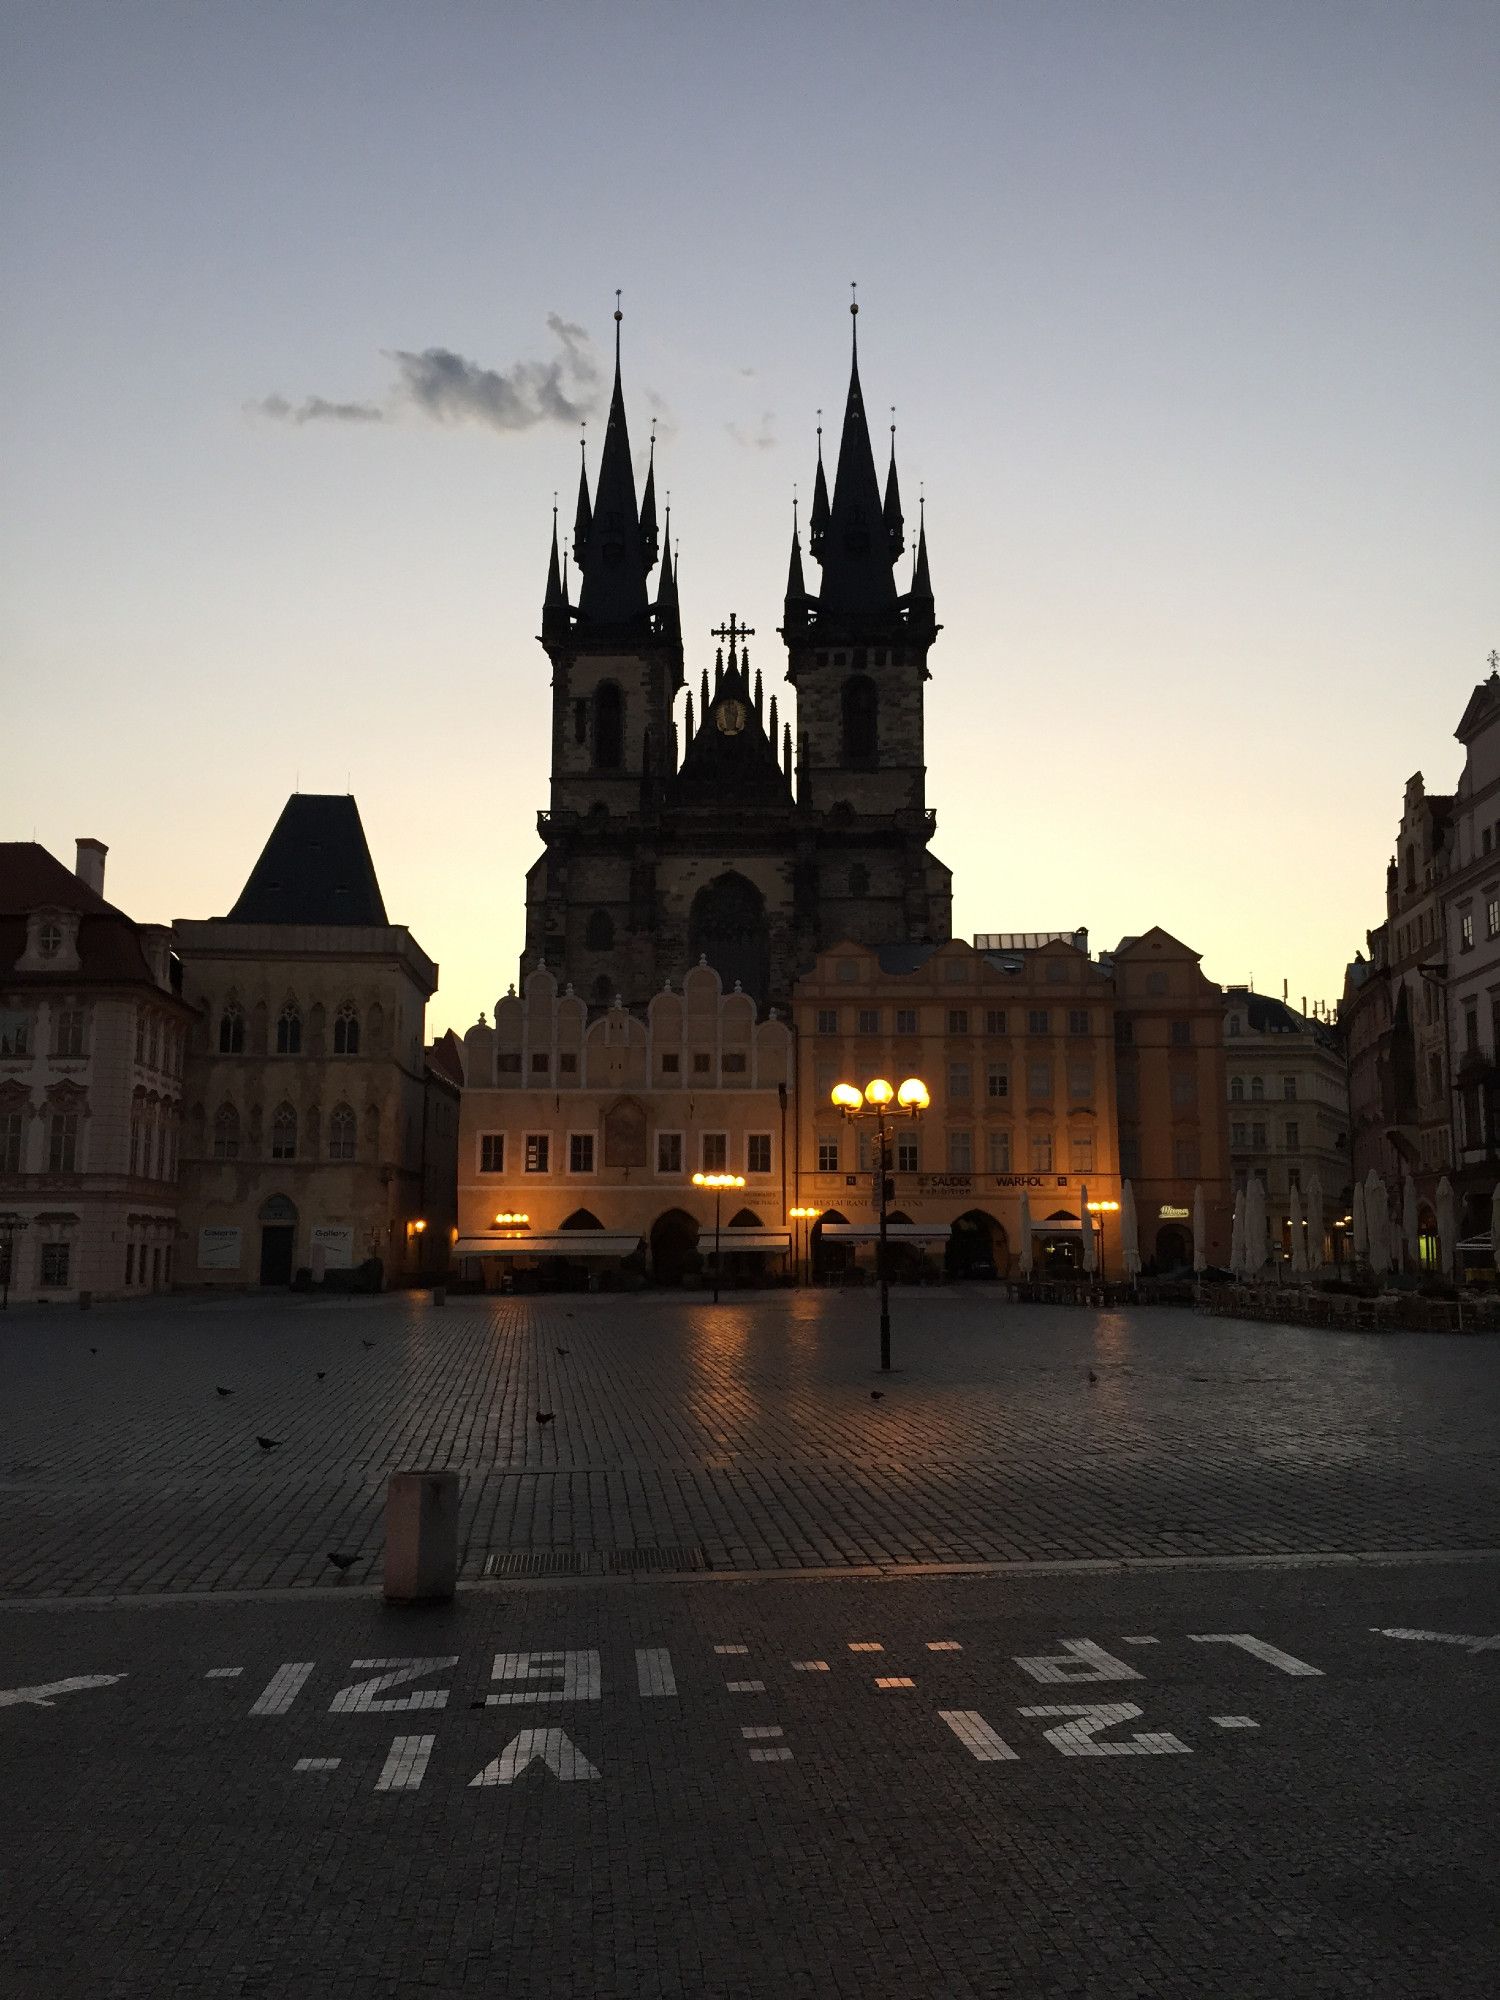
308,1124
579,1138
1288,1113
92,1030
1016,1046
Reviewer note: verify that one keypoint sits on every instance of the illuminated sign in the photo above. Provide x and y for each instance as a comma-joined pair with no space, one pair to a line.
1169,1213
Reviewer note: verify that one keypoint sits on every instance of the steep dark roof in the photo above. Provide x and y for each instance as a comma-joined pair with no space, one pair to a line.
109,944
315,868
33,879
724,770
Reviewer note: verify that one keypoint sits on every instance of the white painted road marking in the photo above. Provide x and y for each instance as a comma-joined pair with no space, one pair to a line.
977,1737
283,1688
1474,1645
865,1646
944,1646
405,1764
42,1697
653,1671
579,1680
1080,1660
1076,1739
809,1666
1247,1642
223,1673
731,1649
754,1729
781,1756
746,1687
317,1763
1139,1639
893,1681
363,1697
550,1747
1235,1721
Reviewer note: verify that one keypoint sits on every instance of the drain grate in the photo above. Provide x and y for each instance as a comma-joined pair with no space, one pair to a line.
592,1562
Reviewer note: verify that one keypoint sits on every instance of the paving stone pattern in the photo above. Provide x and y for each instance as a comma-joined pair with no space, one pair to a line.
738,1437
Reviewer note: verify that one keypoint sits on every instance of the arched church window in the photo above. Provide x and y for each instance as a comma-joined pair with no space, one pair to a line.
609,727
861,710
342,1130
232,1030
599,932
346,1031
859,880
226,1133
284,1133
289,1030
727,925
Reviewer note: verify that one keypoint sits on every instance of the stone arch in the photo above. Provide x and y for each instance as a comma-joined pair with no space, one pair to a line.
744,1218
1174,1247
727,925
581,1218
674,1246
976,1245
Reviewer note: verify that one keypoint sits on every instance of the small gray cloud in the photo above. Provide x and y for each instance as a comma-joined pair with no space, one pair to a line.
664,415
316,409
762,438
448,388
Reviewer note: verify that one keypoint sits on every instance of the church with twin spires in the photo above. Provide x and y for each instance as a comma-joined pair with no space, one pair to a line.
693,820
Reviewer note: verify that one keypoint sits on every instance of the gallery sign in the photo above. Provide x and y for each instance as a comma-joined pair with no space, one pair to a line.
332,1247
219,1249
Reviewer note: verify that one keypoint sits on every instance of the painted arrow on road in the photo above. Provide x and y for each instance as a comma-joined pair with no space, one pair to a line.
1475,1645
41,1697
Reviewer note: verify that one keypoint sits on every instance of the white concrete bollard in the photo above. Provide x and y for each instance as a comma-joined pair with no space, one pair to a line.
421,1537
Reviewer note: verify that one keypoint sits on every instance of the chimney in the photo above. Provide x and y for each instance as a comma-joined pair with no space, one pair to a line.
90,865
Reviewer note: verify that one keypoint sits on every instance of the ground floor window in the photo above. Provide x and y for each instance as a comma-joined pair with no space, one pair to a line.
57,1260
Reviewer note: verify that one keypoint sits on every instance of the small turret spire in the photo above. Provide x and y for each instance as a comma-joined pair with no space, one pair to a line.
759,707
703,690
648,507
583,519
554,604
921,606
817,526
771,731
689,732
895,526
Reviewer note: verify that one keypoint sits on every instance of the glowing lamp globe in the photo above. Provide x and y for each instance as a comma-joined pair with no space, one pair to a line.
878,1091
914,1095
846,1096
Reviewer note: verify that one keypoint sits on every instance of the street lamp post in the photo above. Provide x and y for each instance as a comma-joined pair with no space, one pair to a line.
913,1098
1099,1209
807,1216
718,1182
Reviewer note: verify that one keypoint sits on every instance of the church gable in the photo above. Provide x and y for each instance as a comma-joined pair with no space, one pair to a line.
731,759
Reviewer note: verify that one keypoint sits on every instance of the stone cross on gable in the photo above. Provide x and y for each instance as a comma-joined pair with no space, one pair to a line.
733,632
1494,661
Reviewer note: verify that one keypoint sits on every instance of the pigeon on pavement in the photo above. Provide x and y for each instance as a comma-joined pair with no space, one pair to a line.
545,1416
269,1444
321,1373
222,1392
1092,1377
876,1395
341,1562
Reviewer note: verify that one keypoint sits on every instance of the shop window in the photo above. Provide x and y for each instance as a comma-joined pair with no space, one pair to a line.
56,1263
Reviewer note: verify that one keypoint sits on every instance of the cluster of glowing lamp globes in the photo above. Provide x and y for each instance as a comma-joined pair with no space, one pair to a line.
912,1095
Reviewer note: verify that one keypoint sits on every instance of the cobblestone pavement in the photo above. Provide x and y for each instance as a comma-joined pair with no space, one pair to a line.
1202,1781
742,1437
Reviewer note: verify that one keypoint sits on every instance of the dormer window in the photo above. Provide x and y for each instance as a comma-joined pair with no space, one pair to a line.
48,941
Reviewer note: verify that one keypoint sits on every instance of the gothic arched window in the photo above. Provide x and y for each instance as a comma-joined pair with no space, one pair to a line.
346,1030
232,1030
226,1133
861,711
599,933
859,880
342,1131
727,926
284,1133
289,1030
609,727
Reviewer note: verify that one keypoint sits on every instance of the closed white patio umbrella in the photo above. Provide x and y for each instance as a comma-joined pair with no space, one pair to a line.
1410,1229
1024,1225
1315,1225
1447,1227
1237,1237
1255,1226
1200,1239
1299,1243
1378,1222
1090,1256
1130,1233
1361,1223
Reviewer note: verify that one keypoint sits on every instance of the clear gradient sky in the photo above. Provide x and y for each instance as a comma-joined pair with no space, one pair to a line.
1189,313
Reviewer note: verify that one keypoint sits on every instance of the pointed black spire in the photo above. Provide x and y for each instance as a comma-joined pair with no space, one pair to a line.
922,611
614,572
895,525
554,605
856,555
817,526
583,519
796,610
648,506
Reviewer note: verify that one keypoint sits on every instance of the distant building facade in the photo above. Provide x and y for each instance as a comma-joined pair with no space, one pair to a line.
92,1034
579,1137
308,1128
1472,956
1288,1112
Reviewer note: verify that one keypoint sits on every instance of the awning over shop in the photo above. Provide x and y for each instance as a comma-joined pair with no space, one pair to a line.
550,1243
895,1232
1056,1225
745,1239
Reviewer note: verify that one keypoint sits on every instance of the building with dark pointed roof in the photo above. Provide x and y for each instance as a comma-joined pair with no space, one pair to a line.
678,834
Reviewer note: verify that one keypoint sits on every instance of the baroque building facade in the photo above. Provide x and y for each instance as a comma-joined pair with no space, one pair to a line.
93,1028
731,832
313,1113
1289,1114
